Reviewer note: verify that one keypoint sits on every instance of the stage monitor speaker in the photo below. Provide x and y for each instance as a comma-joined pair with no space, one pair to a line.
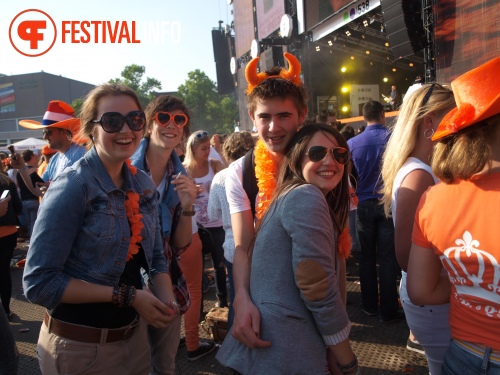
404,26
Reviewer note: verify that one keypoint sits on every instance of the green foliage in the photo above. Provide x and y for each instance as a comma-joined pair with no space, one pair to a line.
210,111
77,106
132,76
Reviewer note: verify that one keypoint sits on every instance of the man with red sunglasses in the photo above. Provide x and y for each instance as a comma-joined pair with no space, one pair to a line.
375,230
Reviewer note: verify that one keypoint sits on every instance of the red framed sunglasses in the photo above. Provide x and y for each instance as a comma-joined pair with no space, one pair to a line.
163,118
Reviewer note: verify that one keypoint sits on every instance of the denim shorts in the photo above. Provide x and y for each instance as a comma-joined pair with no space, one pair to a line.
464,358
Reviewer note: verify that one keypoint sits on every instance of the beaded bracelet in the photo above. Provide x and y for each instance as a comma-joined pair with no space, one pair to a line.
123,295
351,368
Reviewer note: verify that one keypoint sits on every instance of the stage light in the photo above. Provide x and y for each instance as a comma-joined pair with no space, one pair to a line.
411,64
387,44
330,43
343,69
348,33
393,69
344,89
363,36
367,52
345,109
385,79
365,23
372,20
318,49
352,57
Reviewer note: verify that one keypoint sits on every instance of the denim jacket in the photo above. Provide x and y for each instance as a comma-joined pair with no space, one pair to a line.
82,231
171,199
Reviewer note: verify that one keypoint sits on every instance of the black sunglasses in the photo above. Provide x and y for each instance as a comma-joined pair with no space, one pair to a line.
112,122
318,153
428,94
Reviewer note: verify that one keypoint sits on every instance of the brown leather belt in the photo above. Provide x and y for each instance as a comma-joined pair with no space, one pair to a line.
88,334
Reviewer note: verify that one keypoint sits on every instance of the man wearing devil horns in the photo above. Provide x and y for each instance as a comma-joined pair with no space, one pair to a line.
277,105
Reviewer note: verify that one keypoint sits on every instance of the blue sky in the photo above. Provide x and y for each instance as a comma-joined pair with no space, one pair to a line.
185,44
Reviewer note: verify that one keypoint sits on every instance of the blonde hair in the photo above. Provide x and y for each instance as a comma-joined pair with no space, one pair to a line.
465,153
404,134
193,142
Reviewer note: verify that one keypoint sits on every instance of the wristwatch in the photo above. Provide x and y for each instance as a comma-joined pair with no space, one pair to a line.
191,212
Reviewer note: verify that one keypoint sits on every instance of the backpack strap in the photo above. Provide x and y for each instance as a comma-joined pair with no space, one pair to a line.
249,179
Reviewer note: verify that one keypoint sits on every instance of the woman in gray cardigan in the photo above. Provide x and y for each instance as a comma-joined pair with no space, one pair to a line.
294,265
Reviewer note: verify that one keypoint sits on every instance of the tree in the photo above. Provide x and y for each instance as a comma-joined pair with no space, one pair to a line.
210,111
132,76
77,106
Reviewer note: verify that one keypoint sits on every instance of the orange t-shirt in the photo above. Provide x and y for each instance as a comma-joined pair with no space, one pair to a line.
459,222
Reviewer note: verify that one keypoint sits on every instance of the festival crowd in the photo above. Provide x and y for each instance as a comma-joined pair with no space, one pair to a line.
122,270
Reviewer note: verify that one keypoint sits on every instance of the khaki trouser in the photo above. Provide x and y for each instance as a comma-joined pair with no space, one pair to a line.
57,355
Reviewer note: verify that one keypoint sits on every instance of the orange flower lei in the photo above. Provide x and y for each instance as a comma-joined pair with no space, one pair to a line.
134,218
265,171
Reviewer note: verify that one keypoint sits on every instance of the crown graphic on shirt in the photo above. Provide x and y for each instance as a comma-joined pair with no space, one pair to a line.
473,271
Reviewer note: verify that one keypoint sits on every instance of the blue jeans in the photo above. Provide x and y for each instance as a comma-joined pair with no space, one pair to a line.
230,317
459,361
9,356
30,212
219,236
376,238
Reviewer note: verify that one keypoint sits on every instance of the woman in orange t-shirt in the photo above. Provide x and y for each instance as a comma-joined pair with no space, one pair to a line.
455,253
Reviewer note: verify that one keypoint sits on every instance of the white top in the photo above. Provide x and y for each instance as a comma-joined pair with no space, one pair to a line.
236,195
410,165
214,154
201,200
218,208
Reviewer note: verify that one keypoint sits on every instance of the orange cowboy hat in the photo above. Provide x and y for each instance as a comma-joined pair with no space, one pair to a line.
477,96
58,115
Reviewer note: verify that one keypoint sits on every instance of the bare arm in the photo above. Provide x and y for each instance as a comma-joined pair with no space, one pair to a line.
427,284
409,194
246,326
186,190
18,163
217,165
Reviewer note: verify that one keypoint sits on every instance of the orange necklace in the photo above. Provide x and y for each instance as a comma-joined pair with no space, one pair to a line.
134,217
266,170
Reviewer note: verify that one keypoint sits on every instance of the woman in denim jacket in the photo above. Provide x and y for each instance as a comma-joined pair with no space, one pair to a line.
97,227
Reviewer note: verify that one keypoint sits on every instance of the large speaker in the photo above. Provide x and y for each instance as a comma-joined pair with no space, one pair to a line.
222,57
404,26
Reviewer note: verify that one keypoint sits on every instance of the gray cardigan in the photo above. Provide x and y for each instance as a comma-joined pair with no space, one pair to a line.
294,285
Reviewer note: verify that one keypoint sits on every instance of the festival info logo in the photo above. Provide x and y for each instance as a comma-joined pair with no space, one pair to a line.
32,32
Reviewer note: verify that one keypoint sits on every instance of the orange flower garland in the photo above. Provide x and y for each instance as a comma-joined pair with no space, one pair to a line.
266,171
134,218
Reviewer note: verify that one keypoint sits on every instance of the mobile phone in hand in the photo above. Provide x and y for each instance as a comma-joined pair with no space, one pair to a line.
12,151
5,194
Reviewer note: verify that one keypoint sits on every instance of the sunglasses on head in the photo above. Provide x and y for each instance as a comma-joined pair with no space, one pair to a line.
112,122
200,135
163,118
318,153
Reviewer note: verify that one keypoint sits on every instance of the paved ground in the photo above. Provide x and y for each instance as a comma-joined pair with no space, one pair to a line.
381,348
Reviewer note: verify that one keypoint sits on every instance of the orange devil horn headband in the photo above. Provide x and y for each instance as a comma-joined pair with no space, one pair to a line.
292,74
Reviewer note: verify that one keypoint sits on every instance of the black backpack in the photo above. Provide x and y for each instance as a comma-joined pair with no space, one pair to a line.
249,179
